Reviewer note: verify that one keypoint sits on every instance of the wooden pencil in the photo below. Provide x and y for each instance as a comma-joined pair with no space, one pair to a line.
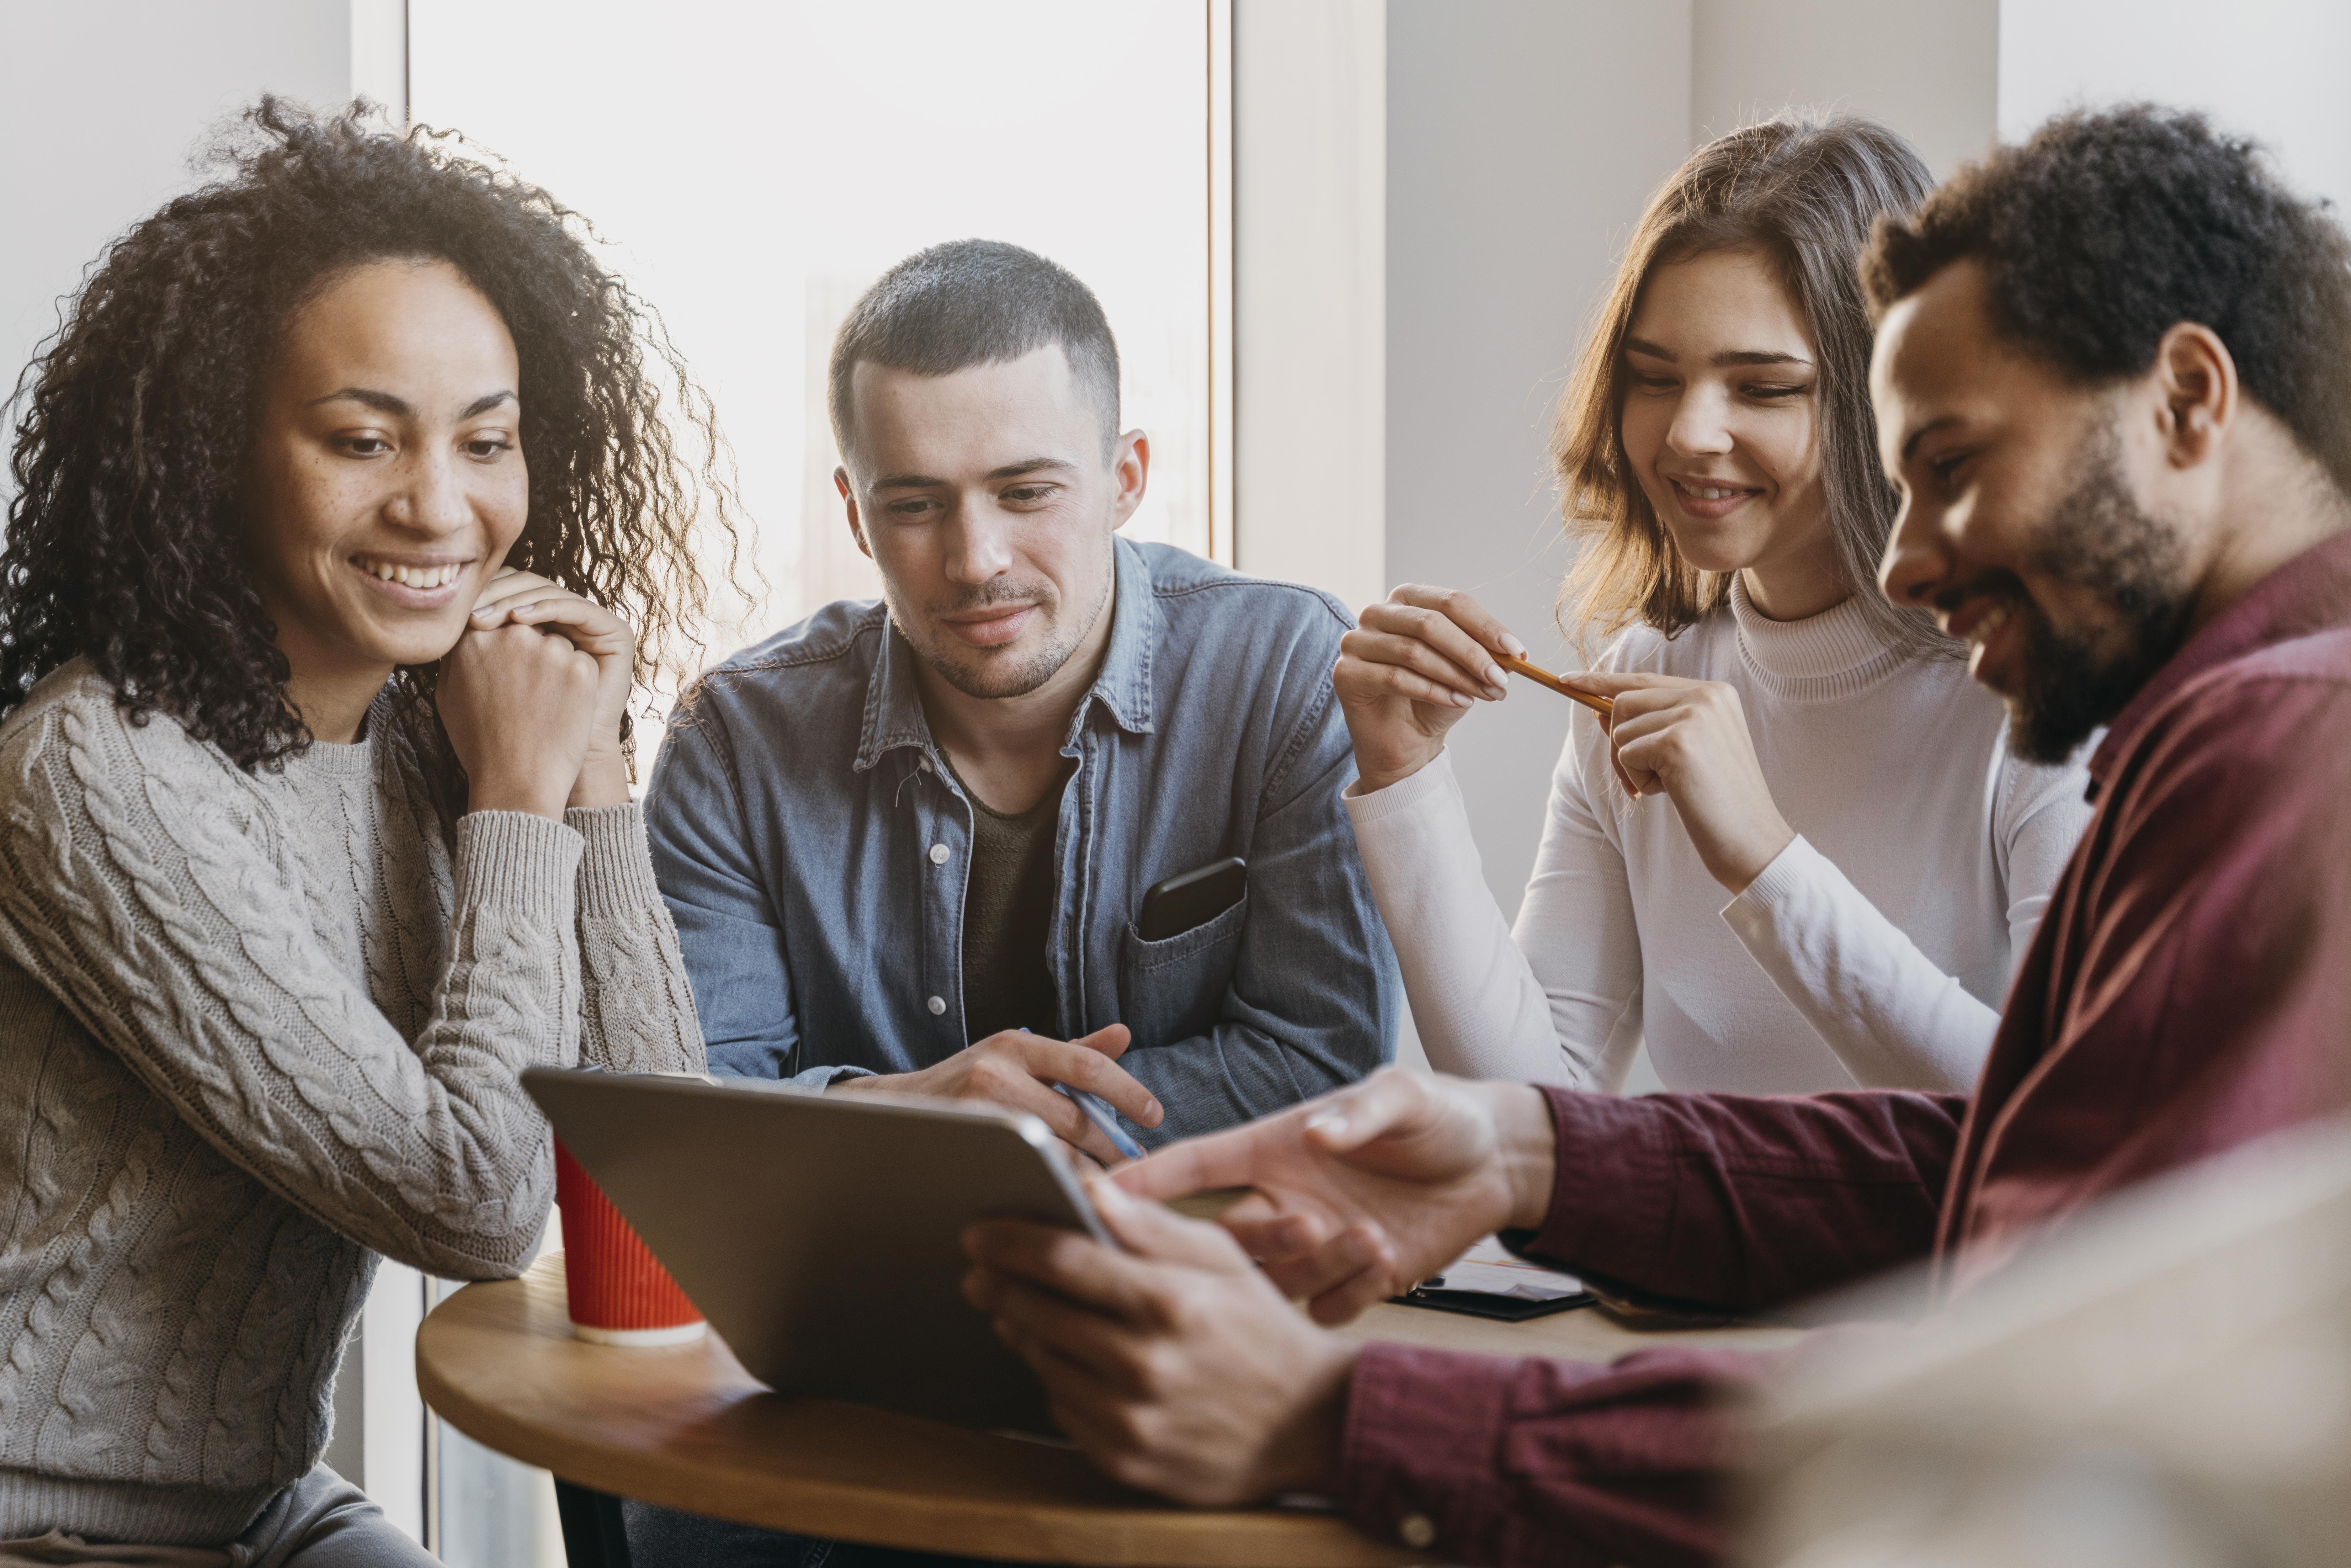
1543,677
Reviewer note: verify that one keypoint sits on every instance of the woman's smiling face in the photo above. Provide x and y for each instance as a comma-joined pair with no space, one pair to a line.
388,479
1721,421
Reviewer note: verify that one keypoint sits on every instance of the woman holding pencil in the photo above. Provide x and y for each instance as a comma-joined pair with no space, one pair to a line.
1847,861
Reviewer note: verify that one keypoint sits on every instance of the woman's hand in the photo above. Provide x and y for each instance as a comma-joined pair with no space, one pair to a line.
522,599
518,705
1410,670
1689,739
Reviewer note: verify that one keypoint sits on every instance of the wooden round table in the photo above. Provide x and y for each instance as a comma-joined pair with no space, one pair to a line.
686,1426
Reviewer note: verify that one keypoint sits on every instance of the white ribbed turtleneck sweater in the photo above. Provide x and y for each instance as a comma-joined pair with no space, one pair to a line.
1875,950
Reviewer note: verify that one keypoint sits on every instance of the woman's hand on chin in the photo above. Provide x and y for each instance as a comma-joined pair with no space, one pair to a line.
521,708
1408,672
520,599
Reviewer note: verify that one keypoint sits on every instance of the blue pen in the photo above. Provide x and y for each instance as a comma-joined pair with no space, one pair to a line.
1099,1112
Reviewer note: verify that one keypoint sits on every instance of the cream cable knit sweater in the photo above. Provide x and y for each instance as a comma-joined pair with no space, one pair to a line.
256,1032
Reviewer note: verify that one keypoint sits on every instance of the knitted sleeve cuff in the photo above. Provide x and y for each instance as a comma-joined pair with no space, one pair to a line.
616,870
517,858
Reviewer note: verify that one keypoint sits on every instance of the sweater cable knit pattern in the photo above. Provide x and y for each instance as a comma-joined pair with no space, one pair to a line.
255,1032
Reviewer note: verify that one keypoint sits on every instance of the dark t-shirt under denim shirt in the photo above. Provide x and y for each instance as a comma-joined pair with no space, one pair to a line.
1008,915
814,850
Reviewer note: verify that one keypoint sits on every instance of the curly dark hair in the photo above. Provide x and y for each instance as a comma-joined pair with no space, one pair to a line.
126,536
2104,231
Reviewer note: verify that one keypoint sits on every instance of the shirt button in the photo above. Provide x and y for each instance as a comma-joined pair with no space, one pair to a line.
1416,1530
939,853
937,1006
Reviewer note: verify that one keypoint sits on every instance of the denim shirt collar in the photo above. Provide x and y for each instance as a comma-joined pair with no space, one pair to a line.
894,700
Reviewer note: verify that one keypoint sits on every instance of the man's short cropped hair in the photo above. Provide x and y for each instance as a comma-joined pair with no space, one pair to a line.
975,302
2104,231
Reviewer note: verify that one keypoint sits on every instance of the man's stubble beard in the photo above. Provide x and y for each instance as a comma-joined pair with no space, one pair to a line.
990,681
2097,539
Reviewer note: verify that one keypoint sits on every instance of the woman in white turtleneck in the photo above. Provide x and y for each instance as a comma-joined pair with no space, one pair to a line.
1846,863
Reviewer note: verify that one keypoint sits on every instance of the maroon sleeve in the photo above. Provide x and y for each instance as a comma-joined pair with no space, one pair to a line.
1744,1202
1487,1460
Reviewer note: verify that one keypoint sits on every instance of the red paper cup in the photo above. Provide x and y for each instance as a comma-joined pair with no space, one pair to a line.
616,1292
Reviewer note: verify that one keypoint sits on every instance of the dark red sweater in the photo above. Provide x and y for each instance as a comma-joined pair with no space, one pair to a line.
2189,990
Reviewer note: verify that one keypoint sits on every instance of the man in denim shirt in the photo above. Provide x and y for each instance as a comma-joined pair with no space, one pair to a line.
897,835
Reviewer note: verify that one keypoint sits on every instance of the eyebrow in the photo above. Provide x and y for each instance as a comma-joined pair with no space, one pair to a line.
385,402
1008,471
1729,357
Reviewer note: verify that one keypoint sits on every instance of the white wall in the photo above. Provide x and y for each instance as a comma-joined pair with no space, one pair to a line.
2272,68
1523,137
1927,70
101,103
1309,292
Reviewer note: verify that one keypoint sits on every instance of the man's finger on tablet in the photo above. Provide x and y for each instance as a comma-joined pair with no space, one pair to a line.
1151,1231
1196,1165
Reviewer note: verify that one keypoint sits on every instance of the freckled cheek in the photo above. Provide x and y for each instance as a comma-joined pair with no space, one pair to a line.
507,510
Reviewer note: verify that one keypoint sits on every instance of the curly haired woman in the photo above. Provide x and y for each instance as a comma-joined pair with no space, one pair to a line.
315,826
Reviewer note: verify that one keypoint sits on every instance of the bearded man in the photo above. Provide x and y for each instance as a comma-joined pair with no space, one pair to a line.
2113,383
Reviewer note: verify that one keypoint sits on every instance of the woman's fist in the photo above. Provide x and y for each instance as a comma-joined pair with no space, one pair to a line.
519,707
1689,739
1408,672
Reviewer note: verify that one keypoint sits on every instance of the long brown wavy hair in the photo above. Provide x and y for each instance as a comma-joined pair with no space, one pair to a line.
1803,192
126,535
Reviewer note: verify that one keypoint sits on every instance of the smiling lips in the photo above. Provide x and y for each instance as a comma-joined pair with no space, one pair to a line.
1978,622
1703,500
418,583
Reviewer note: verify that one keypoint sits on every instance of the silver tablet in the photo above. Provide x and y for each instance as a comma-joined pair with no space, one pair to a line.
822,1234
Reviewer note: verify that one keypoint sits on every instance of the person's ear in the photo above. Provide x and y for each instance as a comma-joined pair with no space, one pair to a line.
2197,378
849,501
1130,474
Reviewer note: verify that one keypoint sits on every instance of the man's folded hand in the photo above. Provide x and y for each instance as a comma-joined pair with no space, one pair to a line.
1016,1070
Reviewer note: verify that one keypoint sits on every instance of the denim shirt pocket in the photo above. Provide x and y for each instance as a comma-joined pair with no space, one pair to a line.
1174,988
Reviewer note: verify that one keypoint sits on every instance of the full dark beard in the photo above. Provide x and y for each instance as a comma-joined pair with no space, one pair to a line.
2099,540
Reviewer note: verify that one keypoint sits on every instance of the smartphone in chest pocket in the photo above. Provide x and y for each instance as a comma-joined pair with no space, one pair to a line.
1191,899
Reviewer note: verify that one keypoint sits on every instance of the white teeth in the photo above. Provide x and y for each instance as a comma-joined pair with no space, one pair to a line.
425,577
1709,492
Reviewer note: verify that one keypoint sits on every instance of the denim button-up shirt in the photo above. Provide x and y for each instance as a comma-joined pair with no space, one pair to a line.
813,847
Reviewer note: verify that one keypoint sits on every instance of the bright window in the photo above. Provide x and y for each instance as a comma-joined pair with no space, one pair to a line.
755,166
752,168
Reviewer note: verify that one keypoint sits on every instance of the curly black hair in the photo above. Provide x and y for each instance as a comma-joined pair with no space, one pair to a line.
126,536
2105,230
